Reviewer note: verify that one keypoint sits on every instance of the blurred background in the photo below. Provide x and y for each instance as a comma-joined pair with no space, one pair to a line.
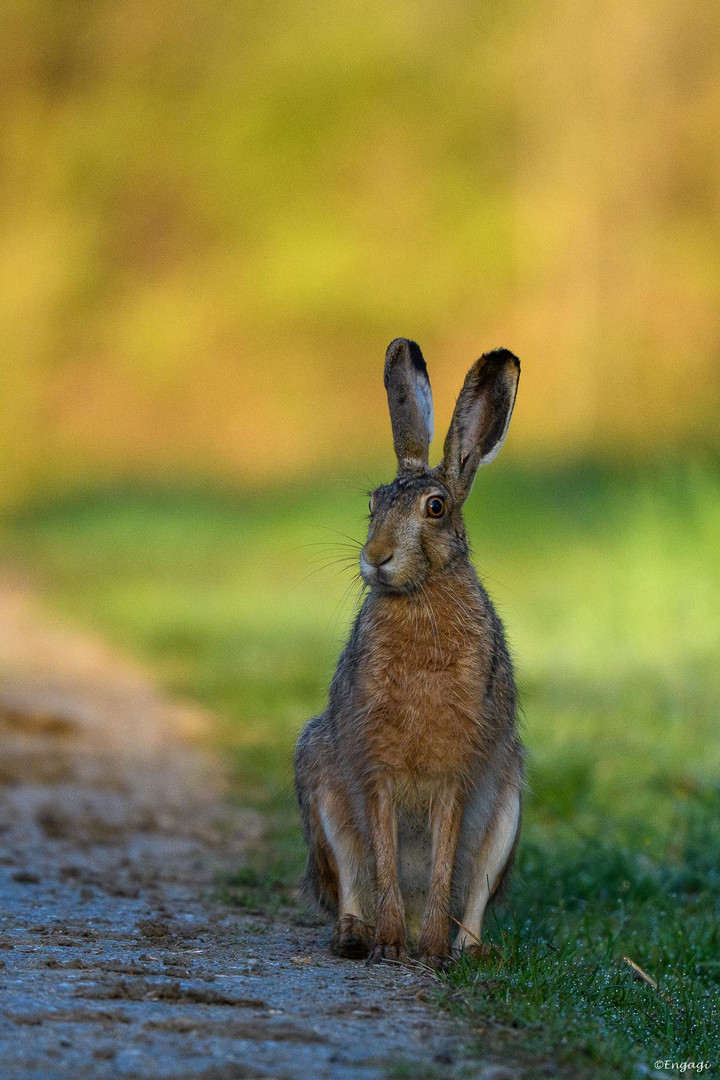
214,218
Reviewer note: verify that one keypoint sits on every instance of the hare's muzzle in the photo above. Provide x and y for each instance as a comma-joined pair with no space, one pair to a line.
376,565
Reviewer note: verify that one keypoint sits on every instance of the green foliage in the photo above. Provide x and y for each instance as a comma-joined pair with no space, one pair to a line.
608,584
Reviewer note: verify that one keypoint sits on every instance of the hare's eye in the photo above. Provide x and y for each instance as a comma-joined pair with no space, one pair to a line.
435,507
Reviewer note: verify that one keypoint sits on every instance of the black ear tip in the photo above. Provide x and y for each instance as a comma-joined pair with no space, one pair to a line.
416,357
492,363
404,349
502,356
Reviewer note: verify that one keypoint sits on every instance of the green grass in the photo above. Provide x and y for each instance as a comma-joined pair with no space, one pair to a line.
580,904
609,586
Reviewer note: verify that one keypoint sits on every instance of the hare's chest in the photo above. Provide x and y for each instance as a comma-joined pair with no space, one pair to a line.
424,723
421,683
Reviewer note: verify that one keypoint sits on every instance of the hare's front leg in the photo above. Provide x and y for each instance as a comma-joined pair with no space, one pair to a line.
389,939
445,821
488,867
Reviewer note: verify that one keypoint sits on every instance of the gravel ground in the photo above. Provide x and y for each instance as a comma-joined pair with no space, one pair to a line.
115,961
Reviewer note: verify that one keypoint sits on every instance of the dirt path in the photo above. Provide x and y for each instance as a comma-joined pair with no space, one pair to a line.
114,959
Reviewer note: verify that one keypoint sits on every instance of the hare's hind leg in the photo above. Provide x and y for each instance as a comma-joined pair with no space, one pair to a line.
312,767
488,868
335,873
352,935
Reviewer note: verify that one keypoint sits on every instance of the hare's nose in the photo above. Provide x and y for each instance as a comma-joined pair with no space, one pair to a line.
379,559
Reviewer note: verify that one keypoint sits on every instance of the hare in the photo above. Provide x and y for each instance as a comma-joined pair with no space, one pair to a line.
410,782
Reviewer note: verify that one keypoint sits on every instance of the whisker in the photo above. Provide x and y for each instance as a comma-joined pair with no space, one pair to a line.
433,624
327,566
484,576
337,559
323,543
358,543
342,602
416,619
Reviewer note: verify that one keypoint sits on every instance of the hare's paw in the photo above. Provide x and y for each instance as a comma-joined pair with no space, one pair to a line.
388,950
479,950
351,938
437,961
389,940
433,944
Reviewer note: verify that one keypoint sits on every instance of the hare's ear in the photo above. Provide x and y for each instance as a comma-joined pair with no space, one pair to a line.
481,418
410,401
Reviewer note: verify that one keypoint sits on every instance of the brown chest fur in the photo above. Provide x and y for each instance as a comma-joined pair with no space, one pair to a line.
421,682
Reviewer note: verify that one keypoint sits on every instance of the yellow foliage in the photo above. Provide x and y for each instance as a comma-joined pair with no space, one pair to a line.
215,216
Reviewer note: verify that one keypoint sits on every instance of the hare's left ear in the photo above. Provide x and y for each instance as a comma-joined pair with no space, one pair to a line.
410,402
481,419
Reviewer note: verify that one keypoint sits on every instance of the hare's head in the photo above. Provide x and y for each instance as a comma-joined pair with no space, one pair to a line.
416,525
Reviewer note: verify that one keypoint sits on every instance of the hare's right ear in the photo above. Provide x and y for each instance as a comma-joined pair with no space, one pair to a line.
481,419
411,405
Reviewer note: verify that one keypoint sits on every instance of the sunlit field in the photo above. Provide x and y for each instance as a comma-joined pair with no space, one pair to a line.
609,586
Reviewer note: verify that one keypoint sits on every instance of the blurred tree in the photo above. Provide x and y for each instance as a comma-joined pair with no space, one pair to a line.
214,217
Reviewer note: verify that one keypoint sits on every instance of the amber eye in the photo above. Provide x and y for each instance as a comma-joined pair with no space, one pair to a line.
435,507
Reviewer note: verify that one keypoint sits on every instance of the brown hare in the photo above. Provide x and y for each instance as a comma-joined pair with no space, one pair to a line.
410,782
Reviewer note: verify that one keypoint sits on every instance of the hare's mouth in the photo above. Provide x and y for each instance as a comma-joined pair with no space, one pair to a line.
376,573
387,575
